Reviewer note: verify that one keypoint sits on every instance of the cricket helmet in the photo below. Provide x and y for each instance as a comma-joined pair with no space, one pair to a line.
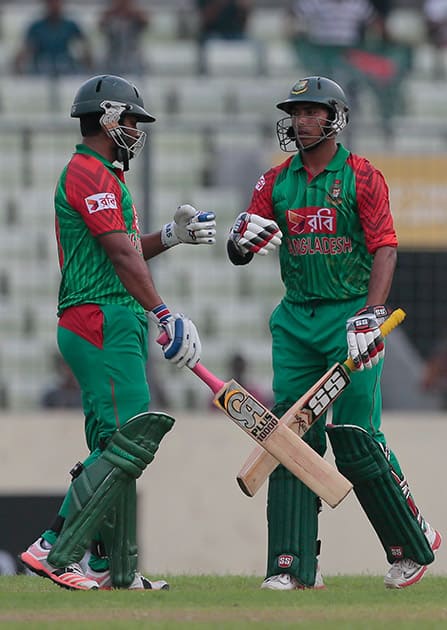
91,95
112,98
318,90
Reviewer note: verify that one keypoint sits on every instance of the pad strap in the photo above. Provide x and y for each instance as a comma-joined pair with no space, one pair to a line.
379,490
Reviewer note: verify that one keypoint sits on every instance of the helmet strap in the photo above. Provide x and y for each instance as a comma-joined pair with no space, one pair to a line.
122,155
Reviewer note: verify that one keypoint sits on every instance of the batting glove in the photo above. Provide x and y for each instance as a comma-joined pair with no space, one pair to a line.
190,226
365,341
184,346
254,234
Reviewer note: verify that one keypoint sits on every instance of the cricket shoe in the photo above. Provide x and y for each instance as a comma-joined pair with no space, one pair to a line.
286,582
71,577
407,572
140,583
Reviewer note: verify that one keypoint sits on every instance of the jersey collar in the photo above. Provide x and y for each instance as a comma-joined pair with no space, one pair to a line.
335,164
85,150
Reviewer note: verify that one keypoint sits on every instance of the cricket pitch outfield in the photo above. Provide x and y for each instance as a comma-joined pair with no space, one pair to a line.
228,602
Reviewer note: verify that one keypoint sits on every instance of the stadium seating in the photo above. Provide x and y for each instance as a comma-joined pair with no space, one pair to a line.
214,134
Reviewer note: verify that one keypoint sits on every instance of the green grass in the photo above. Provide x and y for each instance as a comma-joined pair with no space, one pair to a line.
231,602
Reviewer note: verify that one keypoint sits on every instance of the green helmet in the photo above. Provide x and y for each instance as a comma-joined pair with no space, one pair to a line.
313,90
95,91
113,97
316,90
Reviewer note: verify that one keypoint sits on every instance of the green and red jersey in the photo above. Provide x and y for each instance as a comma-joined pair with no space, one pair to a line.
91,200
332,224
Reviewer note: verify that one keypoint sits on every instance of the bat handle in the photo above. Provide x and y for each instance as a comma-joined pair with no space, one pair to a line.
396,318
214,383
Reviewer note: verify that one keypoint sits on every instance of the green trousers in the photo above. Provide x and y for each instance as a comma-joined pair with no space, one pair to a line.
307,339
112,377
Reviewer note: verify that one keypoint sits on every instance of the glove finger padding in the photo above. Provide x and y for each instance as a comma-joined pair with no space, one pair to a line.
195,227
184,346
190,226
255,234
364,338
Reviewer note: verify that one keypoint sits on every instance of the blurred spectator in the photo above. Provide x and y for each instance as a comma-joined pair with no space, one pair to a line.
341,23
237,370
53,45
65,394
221,19
123,24
434,378
435,12
348,41
383,8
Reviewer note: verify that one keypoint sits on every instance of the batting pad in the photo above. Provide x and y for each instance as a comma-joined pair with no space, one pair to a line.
119,533
292,515
361,459
97,489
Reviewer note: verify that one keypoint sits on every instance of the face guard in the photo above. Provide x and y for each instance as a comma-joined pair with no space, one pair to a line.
129,140
289,140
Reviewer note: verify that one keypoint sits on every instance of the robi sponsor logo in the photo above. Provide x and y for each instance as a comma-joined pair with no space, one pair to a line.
101,201
260,183
312,220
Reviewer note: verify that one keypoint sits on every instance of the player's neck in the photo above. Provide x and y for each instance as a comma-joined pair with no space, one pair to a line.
319,157
101,145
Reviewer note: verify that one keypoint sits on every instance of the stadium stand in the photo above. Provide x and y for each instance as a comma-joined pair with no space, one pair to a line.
205,126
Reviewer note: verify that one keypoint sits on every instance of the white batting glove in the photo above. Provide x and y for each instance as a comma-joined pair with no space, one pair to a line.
365,340
254,234
189,226
183,346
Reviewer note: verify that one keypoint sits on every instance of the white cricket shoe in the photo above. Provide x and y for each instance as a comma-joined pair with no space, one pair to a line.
407,572
71,577
286,582
140,583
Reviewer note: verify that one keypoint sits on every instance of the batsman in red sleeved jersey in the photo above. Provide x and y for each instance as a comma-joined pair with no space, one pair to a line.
106,294
328,212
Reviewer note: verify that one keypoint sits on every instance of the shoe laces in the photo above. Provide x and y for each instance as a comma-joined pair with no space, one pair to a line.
75,567
403,566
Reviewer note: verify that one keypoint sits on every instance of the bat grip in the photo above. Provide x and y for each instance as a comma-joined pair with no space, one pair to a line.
396,318
214,383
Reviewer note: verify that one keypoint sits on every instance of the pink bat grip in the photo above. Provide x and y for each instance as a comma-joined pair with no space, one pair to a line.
214,383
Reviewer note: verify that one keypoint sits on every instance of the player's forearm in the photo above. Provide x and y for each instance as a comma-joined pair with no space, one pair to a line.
137,279
382,273
151,245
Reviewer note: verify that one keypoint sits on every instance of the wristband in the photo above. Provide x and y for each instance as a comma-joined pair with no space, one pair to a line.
160,314
168,236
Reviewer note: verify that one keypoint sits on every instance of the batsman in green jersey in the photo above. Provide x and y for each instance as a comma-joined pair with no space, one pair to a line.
106,293
328,211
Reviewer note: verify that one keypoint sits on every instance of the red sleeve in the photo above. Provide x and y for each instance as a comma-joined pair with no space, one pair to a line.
94,192
373,205
261,201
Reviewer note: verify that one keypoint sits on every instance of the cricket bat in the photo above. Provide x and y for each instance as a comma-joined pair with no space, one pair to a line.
307,410
278,440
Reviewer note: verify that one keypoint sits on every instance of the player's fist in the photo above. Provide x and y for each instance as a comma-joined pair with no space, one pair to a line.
365,341
180,339
253,234
190,226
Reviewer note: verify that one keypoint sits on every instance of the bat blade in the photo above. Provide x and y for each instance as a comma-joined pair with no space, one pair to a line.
280,442
300,417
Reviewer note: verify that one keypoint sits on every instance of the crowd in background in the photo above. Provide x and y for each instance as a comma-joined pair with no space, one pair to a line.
349,37
348,40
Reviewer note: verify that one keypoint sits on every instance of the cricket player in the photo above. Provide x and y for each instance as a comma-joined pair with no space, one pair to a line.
106,295
327,211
